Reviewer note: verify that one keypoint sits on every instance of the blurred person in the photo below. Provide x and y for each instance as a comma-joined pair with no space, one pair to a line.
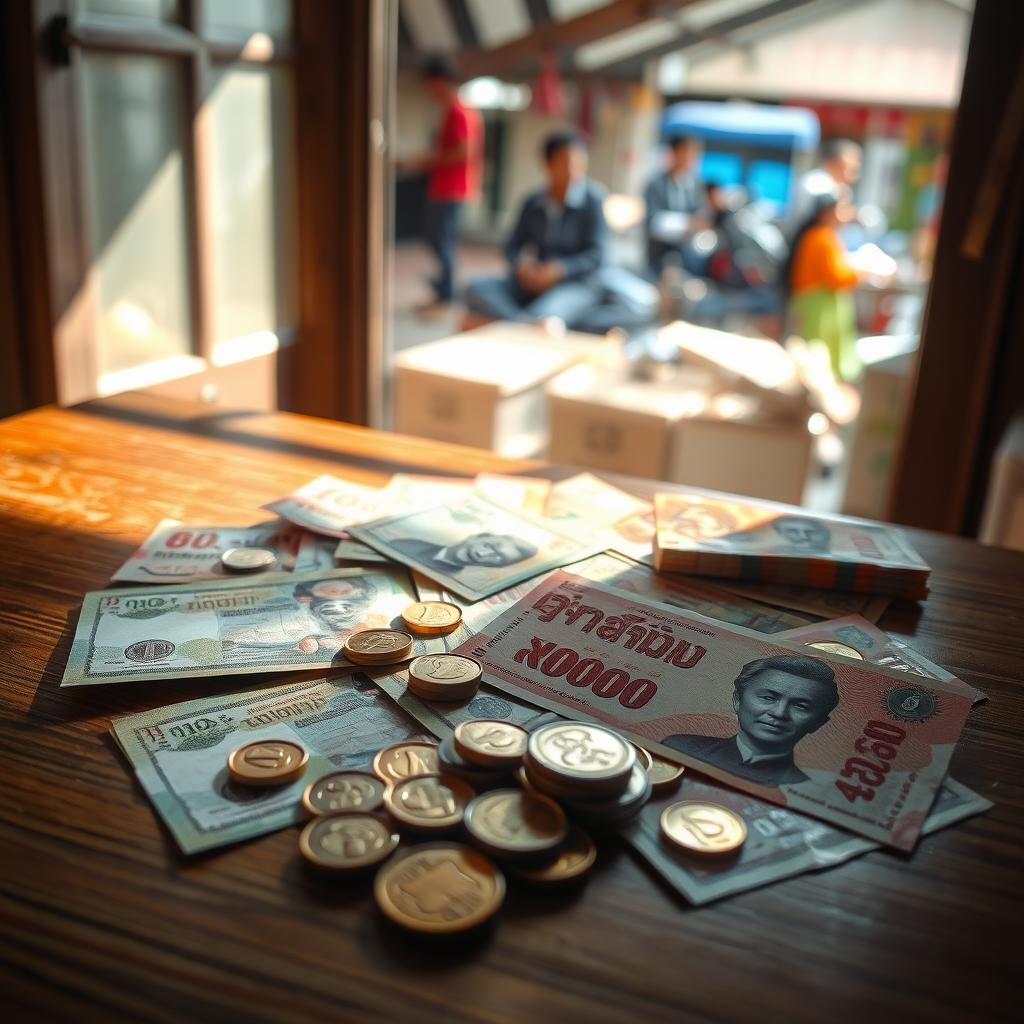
556,250
834,177
676,205
453,175
819,280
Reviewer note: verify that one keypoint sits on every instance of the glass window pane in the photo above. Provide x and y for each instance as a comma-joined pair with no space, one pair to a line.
271,16
162,10
253,200
135,196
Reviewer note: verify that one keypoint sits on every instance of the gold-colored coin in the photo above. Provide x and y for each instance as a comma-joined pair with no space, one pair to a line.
247,559
491,743
575,859
644,757
577,753
664,774
428,803
346,842
703,828
344,791
432,618
439,887
516,823
378,646
444,676
400,761
834,647
267,762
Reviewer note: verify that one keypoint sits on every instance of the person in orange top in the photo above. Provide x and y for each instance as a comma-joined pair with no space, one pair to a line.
820,280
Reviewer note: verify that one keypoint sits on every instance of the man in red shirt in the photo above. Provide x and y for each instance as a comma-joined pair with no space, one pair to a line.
453,174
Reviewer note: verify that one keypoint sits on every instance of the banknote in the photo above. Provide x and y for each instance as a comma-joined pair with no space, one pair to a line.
826,604
315,552
356,551
179,753
408,491
722,535
780,843
862,747
698,522
528,493
328,505
472,546
623,574
586,496
624,522
177,553
865,639
229,627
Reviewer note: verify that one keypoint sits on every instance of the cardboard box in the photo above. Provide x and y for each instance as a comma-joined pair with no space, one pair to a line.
884,395
485,388
684,431
755,366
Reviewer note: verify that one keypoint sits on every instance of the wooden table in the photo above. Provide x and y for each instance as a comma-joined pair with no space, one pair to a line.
102,918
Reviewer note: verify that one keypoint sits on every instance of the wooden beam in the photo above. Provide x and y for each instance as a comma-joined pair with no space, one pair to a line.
519,54
718,31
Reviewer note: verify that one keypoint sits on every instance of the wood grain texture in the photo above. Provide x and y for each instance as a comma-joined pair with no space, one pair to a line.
102,919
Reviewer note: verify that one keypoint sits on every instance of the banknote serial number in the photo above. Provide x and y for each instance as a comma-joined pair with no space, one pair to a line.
879,740
589,673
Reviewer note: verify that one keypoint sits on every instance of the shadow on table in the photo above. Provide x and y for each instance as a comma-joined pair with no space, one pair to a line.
230,426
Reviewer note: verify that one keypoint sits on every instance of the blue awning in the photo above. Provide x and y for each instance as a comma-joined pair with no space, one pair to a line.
744,124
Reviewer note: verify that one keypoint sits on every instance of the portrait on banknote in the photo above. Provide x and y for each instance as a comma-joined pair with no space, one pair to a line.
473,546
778,701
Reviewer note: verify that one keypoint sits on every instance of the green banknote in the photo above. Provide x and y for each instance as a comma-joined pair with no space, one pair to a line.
234,626
179,753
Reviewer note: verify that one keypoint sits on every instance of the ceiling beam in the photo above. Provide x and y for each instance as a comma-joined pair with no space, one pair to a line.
522,54
715,32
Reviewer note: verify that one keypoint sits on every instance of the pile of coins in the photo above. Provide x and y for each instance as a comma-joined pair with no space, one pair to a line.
491,793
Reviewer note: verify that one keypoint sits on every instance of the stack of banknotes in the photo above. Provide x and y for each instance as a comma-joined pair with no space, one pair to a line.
785,703
760,541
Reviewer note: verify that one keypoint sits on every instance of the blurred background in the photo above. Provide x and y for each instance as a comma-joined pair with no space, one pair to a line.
772,248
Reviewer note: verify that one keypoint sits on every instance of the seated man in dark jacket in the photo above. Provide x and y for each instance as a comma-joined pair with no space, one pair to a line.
556,250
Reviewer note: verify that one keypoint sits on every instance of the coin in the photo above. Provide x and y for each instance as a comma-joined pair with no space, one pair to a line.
439,887
344,791
444,676
703,828
833,647
490,742
575,859
644,757
399,761
476,775
428,803
516,824
377,646
618,809
267,762
346,842
432,618
577,753
247,559
664,774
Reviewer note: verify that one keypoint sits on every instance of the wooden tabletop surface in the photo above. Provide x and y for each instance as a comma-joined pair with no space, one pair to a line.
102,918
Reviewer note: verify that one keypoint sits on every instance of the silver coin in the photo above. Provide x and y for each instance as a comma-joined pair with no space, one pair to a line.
247,559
